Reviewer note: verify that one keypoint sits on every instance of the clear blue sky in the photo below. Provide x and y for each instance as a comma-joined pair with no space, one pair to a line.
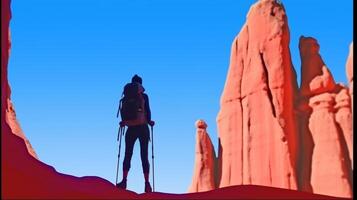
70,59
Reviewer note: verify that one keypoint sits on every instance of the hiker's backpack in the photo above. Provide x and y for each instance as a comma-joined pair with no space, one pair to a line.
132,103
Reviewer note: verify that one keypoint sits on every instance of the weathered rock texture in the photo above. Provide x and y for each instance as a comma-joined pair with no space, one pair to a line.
256,121
272,133
16,128
329,123
344,119
205,159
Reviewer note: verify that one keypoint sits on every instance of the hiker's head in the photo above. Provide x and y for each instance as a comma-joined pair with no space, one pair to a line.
137,79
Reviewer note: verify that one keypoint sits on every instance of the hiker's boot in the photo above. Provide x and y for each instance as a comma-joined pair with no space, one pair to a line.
122,184
147,186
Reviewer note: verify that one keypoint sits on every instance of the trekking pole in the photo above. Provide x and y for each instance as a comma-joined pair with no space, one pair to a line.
152,156
120,134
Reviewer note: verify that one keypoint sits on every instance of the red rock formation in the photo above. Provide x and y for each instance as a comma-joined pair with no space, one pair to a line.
256,120
330,171
315,76
344,119
306,143
203,175
261,113
23,176
16,128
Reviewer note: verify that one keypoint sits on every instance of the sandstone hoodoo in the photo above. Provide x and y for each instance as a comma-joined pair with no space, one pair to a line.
316,78
329,125
270,131
343,116
203,175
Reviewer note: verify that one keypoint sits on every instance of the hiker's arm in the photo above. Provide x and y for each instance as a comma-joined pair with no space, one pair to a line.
147,106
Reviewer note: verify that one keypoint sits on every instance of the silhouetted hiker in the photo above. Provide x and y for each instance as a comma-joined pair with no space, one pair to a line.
136,114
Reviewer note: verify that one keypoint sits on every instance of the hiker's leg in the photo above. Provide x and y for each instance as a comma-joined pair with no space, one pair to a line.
144,144
122,184
125,173
129,145
146,177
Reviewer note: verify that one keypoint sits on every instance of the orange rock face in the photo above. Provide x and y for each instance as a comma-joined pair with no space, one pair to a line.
315,76
16,128
203,175
344,120
256,121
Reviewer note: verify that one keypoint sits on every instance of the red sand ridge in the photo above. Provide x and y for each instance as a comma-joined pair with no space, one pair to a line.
272,133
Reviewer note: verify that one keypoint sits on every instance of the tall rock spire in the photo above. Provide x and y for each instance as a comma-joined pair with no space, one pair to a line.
205,159
256,120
